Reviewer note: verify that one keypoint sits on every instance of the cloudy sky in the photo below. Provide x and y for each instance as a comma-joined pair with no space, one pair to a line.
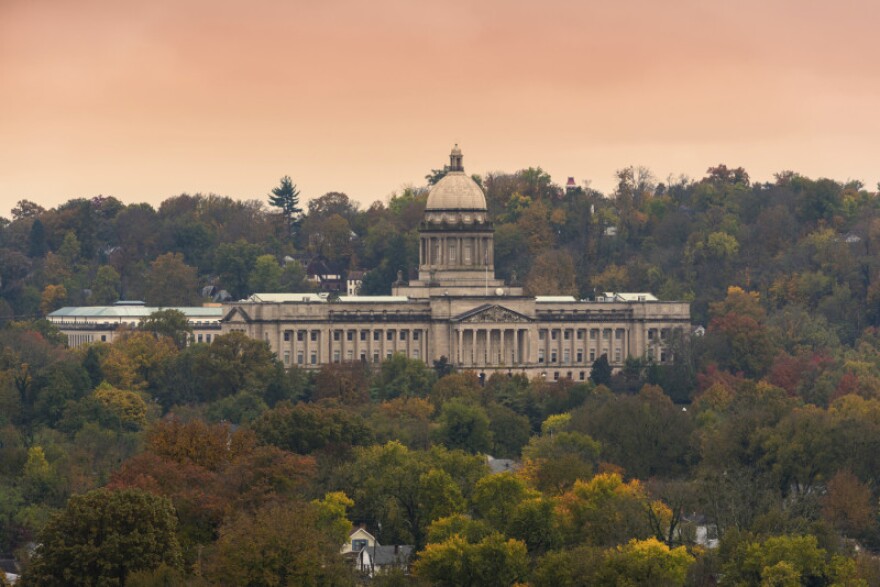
145,100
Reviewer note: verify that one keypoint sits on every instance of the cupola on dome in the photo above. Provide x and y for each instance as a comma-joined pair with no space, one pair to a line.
456,191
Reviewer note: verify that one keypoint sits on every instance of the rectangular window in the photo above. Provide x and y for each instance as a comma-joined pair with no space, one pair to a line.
662,356
299,358
606,334
580,355
567,335
652,333
452,253
363,357
415,334
377,335
287,357
363,335
540,355
416,354
556,376
286,336
314,359
592,355
617,355
566,356
349,335
376,357
207,338
581,376
314,336
467,253
403,334
388,355
618,334
337,335
594,333
554,334
542,334
389,335
300,335
199,338
552,356
580,335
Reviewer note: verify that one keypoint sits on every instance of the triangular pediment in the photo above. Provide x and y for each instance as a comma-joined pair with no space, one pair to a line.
491,313
236,315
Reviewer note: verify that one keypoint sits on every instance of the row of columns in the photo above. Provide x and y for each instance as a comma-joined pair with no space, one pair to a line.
435,250
492,346
324,345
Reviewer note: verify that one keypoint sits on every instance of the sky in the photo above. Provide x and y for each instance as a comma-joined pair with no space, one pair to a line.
147,100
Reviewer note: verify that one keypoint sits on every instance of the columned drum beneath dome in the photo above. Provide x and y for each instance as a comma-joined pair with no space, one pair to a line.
456,237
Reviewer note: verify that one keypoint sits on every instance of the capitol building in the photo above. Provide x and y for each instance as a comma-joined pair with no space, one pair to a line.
459,311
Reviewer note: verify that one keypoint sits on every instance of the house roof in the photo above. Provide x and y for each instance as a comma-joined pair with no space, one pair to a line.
390,555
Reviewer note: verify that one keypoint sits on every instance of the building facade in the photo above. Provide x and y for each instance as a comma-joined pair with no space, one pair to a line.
88,324
459,311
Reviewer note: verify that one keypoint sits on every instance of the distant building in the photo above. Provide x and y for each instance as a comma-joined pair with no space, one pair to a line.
87,324
457,309
353,282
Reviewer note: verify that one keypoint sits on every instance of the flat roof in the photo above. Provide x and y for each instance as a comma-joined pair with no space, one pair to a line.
322,298
132,311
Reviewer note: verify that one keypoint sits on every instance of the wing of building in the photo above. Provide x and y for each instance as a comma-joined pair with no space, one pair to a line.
459,311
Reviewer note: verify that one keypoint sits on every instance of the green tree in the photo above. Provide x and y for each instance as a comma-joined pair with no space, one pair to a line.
102,536
171,282
105,286
401,376
266,275
278,545
171,323
492,562
285,197
464,426
646,562
600,373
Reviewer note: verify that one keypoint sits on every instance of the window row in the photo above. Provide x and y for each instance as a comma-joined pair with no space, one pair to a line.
363,335
349,357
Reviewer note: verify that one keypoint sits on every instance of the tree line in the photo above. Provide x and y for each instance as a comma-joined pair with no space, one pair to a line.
200,458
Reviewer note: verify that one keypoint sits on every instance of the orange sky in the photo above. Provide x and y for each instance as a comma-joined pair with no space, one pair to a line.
145,100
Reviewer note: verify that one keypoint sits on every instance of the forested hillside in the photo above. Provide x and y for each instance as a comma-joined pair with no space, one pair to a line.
153,462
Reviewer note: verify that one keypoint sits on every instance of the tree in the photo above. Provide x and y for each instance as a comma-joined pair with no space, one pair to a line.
464,426
600,373
305,428
266,275
171,323
492,562
53,298
37,245
172,282
401,376
646,562
279,545
127,406
102,536
285,197
105,286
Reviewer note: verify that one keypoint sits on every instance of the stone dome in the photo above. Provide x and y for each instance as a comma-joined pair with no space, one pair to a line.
456,191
